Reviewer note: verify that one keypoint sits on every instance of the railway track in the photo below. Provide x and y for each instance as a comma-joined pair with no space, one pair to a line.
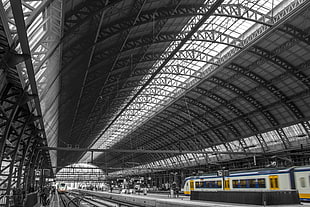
95,201
66,201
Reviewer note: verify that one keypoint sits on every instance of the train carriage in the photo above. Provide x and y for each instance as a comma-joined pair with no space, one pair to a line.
62,188
302,182
268,179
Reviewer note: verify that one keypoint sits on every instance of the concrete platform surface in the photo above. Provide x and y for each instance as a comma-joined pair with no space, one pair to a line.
163,200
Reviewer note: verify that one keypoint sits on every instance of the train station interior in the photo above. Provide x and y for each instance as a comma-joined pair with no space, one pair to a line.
108,95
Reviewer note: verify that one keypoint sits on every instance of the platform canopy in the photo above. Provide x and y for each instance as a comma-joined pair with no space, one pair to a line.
173,84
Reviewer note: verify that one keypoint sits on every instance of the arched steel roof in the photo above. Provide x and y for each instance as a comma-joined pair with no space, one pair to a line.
158,77
220,77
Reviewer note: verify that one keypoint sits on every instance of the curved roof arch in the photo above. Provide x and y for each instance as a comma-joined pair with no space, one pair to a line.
212,76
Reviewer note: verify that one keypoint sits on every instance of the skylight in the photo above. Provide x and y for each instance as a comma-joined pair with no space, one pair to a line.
220,37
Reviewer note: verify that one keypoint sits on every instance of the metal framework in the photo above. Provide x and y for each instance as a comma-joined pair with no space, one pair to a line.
169,83
23,88
189,81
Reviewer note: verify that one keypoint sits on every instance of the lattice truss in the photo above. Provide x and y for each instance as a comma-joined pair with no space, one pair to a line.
20,142
42,23
190,58
22,130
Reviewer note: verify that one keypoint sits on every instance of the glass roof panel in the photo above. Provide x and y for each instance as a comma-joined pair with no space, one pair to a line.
294,133
199,55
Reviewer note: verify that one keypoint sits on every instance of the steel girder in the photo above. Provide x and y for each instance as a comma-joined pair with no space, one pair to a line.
182,55
218,133
145,42
16,131
272,56
199,57
148,134
280,131
84,11
32,165
213,35
276,93
127,62
19,129
297,33
229,105
259,80
260,140
99,106
227,8
16,157
222,10
167,142
194,128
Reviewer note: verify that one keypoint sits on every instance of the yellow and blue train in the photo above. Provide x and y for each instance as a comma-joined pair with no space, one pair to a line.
265,179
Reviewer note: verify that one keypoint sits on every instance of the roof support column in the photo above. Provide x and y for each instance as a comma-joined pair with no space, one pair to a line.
284,138
13,162
23,39
306,127
29,171
262,142
22,163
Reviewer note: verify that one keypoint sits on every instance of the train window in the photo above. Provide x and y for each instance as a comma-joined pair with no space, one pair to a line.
243,184
249,183
208,184
302,182
252,183
213,184
235,183
199,184
219,183
261,183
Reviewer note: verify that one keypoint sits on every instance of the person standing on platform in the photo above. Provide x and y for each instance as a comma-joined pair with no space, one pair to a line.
173,189
177,191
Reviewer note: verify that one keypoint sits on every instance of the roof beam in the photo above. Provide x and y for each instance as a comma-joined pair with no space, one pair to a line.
188,36
22,34
147,151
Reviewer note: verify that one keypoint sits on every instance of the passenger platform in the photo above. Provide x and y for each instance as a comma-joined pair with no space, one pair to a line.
163,200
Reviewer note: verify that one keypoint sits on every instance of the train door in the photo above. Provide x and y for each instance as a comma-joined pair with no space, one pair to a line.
191,185
226,184
274,182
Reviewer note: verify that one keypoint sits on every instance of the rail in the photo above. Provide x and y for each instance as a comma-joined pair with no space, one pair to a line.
103,201
67,201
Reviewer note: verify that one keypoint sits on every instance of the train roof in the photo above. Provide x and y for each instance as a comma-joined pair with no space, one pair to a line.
253,172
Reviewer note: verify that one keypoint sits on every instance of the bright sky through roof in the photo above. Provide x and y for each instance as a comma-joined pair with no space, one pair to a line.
189,65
